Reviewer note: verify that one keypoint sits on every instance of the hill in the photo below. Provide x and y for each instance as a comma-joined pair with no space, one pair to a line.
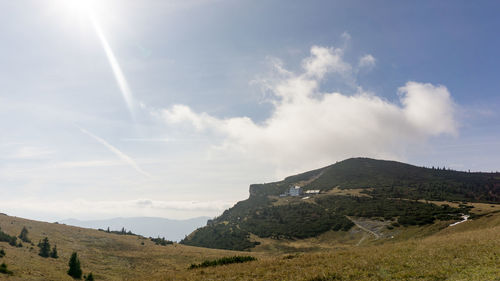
108,256
396,193
467,251
174,230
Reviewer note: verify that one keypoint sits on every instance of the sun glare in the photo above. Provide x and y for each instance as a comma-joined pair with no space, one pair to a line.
88,12
78,7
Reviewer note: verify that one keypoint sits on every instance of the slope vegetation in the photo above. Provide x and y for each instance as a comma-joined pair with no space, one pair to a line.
395,192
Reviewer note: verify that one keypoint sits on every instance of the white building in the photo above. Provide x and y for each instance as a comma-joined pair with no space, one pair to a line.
295,191
312,192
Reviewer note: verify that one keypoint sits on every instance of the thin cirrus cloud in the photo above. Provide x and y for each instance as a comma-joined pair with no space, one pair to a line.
309,127
124,157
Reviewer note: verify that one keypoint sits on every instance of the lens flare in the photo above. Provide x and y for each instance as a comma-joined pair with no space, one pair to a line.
115,66
85,10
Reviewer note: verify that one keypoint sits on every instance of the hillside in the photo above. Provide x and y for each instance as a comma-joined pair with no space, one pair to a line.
108,256
393,192
468,251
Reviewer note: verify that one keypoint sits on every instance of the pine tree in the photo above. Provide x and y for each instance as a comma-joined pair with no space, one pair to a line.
89,277
44,246
74,270
24,235
53,253
13,241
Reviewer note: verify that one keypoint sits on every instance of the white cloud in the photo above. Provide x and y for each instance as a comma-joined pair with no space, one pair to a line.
309,128
323,60
366,61
124,157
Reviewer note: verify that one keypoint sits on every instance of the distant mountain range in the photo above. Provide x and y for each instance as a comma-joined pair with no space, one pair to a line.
173,230
397,193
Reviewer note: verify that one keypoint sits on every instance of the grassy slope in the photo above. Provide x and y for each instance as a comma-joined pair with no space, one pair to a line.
108,256
468,251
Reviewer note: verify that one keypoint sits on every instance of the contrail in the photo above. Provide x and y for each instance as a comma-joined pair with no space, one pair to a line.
117,152
115,66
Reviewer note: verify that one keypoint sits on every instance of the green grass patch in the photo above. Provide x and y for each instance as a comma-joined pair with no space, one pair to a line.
223,261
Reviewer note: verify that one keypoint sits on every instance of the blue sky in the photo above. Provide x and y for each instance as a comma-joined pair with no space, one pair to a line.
229,93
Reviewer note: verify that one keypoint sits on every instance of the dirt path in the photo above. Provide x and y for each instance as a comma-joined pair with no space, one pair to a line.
464,219
377,236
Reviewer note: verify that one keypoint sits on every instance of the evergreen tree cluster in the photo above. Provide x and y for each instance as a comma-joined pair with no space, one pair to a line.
45,250
123,231
162,241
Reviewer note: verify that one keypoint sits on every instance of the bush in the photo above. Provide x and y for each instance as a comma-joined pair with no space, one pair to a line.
161,241
2,253
223,261
4,270
13,241
4,237
89,277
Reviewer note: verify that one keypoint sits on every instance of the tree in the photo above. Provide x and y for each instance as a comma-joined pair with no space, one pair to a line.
13,241
24,235
74,270
44,246
89,277
4,270
53,253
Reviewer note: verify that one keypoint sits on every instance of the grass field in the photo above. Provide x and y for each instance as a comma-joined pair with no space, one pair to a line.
468,251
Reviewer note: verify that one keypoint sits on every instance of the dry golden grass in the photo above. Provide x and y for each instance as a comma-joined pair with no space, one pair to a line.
349,192
108,256
478,208
468,251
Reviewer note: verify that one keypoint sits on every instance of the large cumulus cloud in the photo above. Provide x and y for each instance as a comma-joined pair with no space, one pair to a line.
308,127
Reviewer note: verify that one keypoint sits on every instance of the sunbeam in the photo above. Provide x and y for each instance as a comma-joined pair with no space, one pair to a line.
86,11
115,66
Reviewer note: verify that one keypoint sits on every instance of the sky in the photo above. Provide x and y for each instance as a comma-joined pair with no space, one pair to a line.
173,108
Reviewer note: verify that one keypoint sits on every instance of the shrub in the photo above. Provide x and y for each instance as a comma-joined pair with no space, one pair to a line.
13,241
24,235
2,253
161,241
4,237
223,261
4,270
89,277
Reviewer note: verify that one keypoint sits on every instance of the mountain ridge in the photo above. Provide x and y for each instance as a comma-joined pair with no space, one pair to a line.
356,187
171,229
